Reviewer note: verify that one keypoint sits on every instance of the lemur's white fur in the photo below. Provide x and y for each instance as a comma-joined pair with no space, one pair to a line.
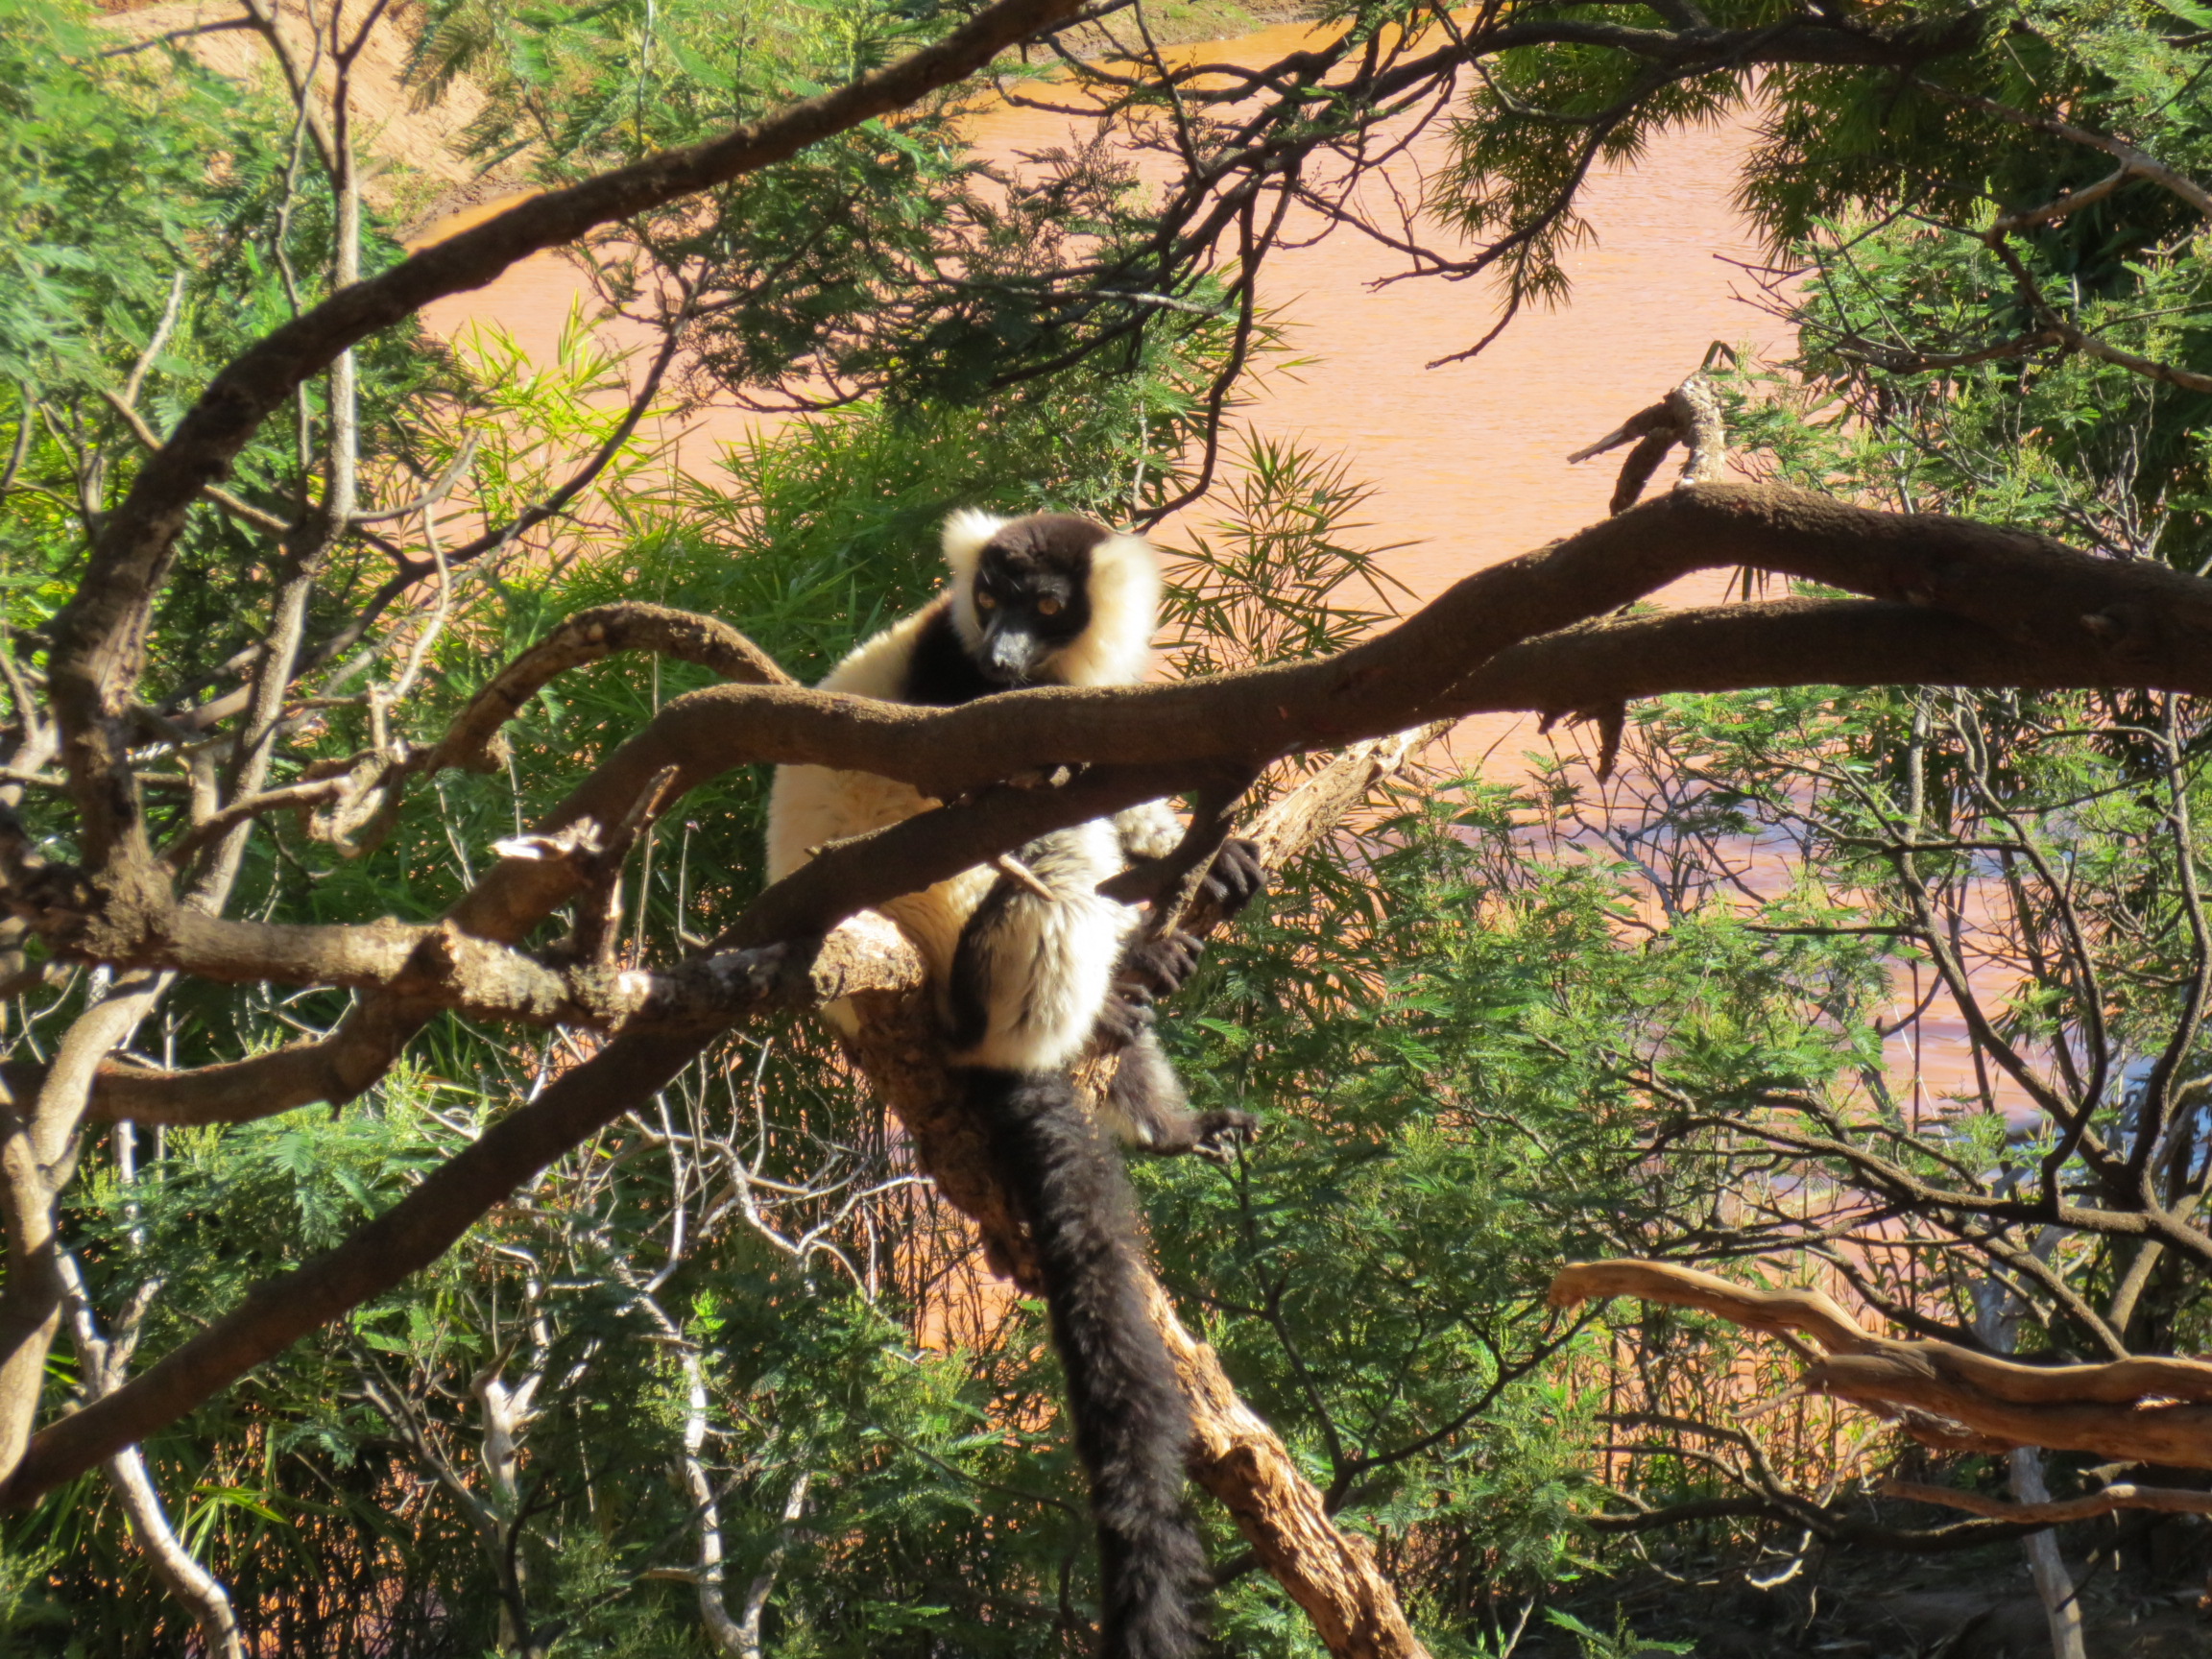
811,806
1049,962
1124,589
1148,829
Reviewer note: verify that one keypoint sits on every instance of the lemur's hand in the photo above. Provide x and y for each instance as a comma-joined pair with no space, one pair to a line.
1124,1016
1159,966
1237,877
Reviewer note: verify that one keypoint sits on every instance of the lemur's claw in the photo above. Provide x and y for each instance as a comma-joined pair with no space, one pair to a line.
1161,966
1222,1135
1237,875
1125,1016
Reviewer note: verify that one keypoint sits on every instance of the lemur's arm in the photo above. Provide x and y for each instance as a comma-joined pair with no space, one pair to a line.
1147,1107
1149,831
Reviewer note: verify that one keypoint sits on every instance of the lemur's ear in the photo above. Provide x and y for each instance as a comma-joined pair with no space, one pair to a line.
1124,592
967,533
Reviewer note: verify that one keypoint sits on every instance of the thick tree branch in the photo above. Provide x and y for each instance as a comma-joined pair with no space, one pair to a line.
1329,1574
408,1236
98,639
2107,1501
2050,615
869,959
2158,1409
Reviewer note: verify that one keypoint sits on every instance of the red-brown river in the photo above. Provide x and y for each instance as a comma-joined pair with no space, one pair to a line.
1468,462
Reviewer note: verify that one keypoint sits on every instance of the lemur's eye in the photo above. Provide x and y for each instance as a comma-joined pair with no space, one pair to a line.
984,601
1048,607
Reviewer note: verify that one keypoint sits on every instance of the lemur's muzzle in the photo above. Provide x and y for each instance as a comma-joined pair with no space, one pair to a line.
1013,655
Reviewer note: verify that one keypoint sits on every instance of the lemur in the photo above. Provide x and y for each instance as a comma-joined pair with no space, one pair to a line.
1029,967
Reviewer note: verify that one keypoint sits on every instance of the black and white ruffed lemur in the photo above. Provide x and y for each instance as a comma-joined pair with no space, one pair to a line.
1026,973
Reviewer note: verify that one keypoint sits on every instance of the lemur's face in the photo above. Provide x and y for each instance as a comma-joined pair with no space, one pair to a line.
1033,594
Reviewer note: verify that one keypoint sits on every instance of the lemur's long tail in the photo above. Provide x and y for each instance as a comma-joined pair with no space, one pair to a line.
1127,1409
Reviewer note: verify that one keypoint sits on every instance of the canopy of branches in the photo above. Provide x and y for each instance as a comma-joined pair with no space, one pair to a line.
433,1220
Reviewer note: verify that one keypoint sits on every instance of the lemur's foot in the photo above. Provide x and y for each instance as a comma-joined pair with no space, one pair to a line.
1237,877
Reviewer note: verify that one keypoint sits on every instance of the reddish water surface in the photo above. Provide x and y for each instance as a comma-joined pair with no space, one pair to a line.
1468,461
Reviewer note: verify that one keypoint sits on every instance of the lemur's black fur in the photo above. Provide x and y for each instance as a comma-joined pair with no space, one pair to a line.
942,673
1130,1420
1040,970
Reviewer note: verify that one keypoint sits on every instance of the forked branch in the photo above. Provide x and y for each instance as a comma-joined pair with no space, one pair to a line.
2156,1410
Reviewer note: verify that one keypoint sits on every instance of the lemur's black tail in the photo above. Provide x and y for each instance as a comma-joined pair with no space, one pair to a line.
1127,1409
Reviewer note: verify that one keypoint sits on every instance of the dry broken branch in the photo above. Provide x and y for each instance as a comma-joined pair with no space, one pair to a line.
2108,1501
1690,416
2156,1410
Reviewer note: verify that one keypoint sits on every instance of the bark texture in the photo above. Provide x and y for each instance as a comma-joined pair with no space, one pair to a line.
2155,1411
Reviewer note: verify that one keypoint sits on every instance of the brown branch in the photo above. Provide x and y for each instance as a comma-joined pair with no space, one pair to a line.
540,873
98,645
1712,649
235,505
308,792
2073,337
2070,202
590,636
2159,1409
450,970
2149,368
2044,616
408,1236
1329,1574
2168,1500
368,796
1823,1520
2131,159
1895,360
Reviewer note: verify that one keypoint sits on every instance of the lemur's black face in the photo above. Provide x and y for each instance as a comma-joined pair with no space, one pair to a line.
1033,593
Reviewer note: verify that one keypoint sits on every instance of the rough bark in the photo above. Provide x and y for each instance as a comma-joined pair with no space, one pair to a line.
2053,1512
1329,1572
2157,1410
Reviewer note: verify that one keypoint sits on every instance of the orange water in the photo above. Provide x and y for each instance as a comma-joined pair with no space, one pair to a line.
1468,461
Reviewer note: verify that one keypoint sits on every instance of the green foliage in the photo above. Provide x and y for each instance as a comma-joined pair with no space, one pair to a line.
103,190
1489,1030
1542,118
136,189
886,259
1622,1644
1283,583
